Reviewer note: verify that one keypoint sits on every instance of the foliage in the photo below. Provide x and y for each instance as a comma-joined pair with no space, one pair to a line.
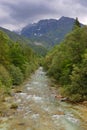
39,49
16,74
5,79
67,63
16,55
17,62
76,24
4,48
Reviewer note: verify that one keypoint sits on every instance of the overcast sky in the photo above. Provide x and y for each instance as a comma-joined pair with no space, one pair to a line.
15,14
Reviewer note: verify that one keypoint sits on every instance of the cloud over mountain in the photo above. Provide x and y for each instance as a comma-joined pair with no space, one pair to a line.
18,13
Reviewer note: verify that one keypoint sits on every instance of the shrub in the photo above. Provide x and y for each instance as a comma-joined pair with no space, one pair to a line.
26,69
75,98
17,75
5,79
71,93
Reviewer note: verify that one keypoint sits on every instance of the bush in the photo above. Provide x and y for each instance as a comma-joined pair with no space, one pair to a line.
26,69
75,98
17,75
5,79
70,92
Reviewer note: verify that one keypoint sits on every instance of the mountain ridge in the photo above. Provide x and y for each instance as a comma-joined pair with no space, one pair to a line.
48,31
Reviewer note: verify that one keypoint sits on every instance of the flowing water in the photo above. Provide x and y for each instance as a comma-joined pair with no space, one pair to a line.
39,110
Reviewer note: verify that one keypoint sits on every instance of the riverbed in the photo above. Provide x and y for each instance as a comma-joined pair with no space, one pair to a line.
38,109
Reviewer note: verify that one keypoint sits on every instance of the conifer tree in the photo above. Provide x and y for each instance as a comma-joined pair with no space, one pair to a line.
76,24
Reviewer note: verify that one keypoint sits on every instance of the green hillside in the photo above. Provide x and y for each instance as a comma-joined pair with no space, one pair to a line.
40,50
67,64
17,62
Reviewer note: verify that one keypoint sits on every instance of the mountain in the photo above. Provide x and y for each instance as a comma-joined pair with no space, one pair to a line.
48,32
39,49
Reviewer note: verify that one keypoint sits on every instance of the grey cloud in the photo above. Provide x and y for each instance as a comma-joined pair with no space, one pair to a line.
83,3
25,10
22,12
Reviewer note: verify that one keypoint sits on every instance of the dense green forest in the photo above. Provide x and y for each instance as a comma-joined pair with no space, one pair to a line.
67,64
17,62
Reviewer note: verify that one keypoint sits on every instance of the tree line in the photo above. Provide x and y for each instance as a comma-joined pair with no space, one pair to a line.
67,64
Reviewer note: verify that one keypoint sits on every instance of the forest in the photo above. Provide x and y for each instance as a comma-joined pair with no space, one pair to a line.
17,62
67,64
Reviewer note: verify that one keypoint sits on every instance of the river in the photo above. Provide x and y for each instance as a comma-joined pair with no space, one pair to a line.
39,110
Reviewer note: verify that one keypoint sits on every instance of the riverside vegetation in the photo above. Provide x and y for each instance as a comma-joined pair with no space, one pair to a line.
67,64
33,104
17,62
